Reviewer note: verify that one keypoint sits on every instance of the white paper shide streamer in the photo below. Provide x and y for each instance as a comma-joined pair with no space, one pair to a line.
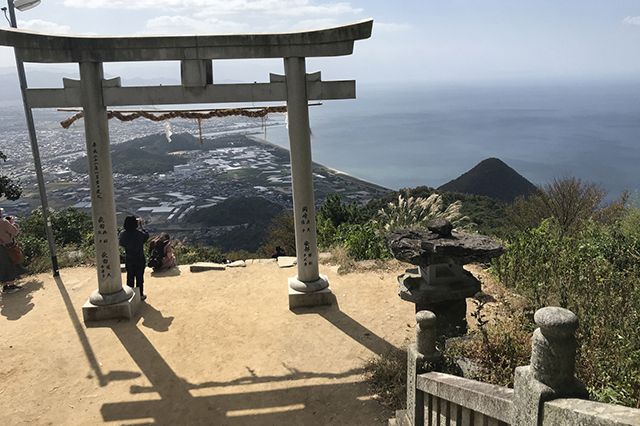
167,131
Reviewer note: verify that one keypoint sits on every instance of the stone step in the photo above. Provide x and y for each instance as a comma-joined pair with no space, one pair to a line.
287,261
256,261
207,266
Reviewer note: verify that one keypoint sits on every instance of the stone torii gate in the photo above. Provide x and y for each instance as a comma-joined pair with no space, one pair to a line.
196,54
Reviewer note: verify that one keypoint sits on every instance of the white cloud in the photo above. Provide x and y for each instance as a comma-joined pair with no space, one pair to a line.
119,4
187,25
231,16
390,27
38,25
632,20
221,7
312,24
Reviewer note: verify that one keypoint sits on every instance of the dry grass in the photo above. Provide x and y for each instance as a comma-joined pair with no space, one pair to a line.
346,264
387,377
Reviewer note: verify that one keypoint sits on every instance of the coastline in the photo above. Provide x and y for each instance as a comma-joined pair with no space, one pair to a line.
334,171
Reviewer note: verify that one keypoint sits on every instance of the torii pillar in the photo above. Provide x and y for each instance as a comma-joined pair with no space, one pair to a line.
111,299
94,94
308,288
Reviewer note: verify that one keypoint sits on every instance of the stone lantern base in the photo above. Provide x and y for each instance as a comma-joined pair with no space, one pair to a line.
441,289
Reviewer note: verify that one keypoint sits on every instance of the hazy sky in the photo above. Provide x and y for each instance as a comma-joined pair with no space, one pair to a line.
413,40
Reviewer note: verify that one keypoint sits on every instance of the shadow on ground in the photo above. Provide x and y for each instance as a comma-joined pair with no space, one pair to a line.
294,404
153,318
313,404
16,305
103,379
172,272
350,327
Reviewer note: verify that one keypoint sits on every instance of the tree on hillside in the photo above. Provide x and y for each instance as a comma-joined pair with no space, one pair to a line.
9,187
569,201
338,213
69,225
281,233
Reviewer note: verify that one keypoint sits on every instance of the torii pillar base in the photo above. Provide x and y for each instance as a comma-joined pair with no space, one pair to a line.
308,294
125,309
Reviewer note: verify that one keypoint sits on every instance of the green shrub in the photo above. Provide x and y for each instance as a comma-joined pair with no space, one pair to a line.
73,234
33,248
338,213
240,255
362,241
630,224
9,186
69,226
280,233
346,225
186,254
327,233
596,274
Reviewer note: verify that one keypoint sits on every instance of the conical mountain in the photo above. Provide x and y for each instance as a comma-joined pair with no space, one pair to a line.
493,178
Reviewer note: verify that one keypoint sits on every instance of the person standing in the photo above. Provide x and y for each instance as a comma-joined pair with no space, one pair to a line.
132,238
9,271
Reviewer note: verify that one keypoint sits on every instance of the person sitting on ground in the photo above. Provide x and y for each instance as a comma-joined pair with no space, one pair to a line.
132,238
9,271
161,256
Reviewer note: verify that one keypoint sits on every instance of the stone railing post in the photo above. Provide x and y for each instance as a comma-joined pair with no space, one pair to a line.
551,374
418,355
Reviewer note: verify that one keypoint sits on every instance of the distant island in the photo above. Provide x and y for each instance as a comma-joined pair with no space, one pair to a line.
492,178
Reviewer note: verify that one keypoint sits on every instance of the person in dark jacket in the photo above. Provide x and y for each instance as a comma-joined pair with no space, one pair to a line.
132,238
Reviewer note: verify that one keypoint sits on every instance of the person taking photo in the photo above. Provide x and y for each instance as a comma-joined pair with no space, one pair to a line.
132,238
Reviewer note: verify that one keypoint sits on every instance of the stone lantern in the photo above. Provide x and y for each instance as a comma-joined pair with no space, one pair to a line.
440,284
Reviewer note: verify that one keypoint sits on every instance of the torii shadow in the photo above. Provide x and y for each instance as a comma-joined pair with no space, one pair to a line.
103,379
312,404
301,404
350,327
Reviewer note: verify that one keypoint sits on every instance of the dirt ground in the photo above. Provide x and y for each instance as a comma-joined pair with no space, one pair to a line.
217,348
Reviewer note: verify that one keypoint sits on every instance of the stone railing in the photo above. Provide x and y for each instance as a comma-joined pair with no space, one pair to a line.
546,392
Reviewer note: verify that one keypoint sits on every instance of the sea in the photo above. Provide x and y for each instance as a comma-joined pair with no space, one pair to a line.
406,135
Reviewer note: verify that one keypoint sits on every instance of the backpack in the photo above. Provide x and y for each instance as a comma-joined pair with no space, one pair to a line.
157,254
